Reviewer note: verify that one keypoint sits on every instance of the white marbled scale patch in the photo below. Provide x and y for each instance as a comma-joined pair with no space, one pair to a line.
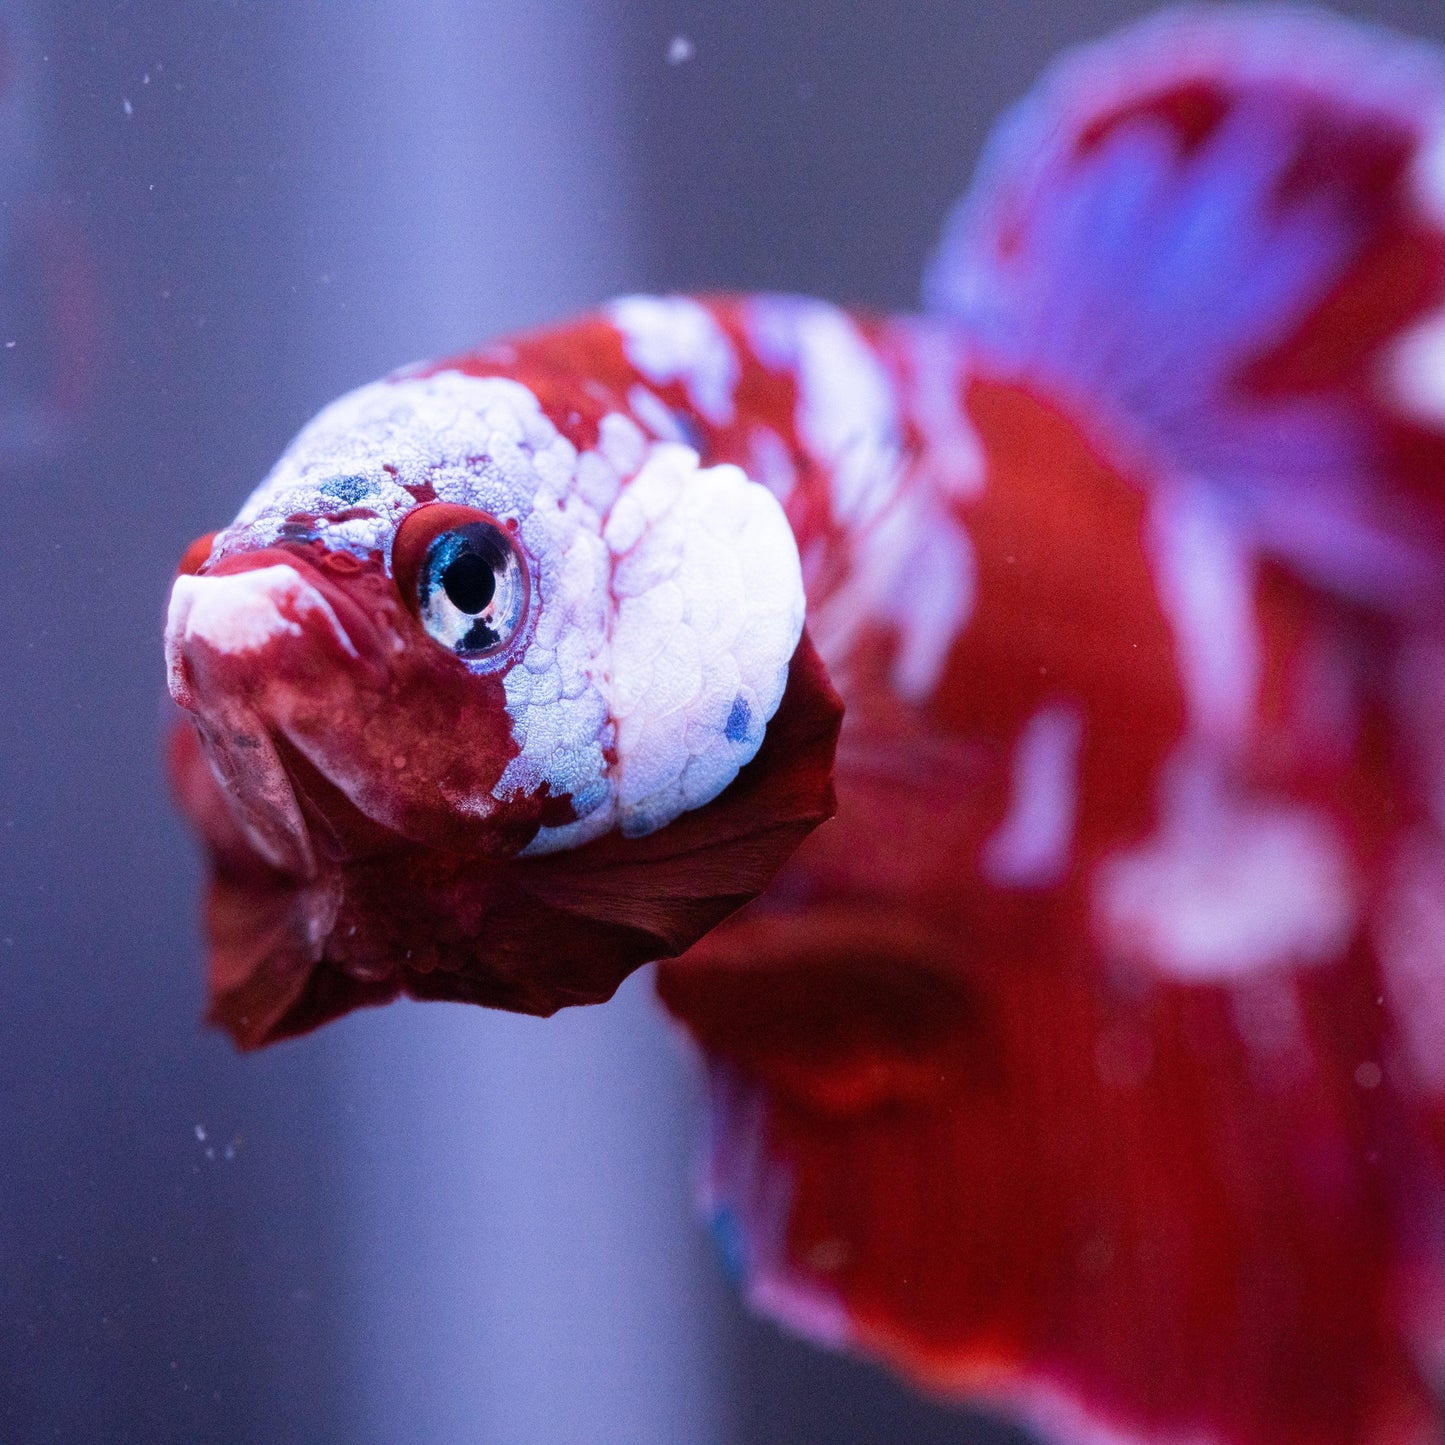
911,563
847,415
674,338
478,441
709,598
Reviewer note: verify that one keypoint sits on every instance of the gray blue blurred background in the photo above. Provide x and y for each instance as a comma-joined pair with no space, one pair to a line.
425,1224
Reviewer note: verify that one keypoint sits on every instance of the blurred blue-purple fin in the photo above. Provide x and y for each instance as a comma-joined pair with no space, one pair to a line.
1221,235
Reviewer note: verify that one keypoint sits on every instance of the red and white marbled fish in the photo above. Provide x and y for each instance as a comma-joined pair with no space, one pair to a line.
1092,1058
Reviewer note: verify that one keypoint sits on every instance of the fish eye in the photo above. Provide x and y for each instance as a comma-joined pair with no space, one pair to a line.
464,577
471,591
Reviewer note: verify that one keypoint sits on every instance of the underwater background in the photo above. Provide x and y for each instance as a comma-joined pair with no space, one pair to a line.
424,1223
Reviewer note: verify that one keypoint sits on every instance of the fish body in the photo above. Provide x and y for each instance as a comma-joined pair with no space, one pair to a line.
1015,726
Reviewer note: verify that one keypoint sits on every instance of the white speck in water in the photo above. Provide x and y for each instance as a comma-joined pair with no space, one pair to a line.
129,108
680,50
146,78
200,1133
1369,1075
210,1153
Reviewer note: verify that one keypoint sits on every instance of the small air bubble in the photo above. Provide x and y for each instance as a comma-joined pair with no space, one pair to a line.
200,1133
129,108
680,50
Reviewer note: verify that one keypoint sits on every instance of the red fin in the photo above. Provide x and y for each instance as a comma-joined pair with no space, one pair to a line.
842,1008
533,935
1091,1204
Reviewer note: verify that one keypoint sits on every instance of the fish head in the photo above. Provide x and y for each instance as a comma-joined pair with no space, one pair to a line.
446,636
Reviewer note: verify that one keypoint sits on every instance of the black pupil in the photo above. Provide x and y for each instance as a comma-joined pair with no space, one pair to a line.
469,583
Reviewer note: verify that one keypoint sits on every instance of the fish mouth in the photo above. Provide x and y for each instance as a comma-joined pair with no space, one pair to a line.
238,637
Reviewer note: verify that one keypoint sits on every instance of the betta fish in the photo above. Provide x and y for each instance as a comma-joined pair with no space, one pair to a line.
1014,730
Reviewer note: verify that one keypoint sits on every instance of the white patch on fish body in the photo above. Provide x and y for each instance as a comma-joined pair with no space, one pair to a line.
476,441
1416,371
1205,580
953,457
674,338
709,611
243,612
620,441
655,414
911,563
1228,886
772,462
1031,847
846,413
930,597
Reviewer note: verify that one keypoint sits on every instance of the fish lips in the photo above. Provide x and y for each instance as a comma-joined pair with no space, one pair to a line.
251,626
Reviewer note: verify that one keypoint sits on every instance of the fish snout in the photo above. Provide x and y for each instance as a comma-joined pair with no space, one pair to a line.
240,617
236,643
